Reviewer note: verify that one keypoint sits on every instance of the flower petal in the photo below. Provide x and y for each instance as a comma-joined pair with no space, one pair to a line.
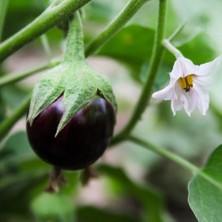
177,71
202,81
203,100
186,100
183,67
209,67
191,101
166,93
176,105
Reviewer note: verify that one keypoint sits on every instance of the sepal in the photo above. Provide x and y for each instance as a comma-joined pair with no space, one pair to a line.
77,82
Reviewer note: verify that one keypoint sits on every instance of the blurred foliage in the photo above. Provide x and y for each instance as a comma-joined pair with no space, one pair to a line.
23,177
94,214
150,199
56,207
14,95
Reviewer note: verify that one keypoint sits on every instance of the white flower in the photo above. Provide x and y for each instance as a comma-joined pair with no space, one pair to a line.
188,86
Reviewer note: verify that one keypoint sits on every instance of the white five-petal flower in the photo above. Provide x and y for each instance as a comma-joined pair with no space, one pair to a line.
188,86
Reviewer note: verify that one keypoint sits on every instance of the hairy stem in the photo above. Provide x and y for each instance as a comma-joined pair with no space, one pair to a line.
7,124
49,18
121,19
74,46
166,153
153,68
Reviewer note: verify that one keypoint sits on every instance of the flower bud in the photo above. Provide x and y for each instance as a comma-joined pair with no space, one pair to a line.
83,139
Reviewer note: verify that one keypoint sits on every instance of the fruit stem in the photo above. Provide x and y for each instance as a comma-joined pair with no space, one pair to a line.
88,174
56,178
171,48
75,45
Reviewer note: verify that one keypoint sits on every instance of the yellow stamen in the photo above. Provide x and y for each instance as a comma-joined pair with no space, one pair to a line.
186,83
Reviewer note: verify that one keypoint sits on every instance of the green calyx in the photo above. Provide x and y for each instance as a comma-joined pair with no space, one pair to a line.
73,79
78,84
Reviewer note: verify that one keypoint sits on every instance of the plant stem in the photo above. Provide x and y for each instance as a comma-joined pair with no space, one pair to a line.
166,153
7,124
3,9
121,19
75,46
153,68
40,25
176,159
46,47
167,44
130,9
177,31
11,78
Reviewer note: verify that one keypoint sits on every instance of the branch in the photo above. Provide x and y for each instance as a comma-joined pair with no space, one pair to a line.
130,9
7,124
12,78
153,68
49,18
166,153
121,19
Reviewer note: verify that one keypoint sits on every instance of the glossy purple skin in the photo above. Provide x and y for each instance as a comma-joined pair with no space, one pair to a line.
81,142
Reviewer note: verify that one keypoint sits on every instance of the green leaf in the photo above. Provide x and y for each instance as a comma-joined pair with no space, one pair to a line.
205,190
2,108
12,95
132,44
99,11
15,192
52,206
29,11
15,150
162,75
198,46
